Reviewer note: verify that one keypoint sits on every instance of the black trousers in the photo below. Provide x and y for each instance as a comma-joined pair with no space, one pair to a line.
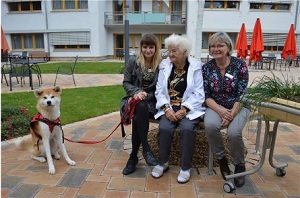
140,128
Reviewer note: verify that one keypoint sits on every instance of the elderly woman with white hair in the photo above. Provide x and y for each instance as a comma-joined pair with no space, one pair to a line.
180,97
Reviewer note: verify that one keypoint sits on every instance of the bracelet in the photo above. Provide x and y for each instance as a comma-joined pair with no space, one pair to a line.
167,109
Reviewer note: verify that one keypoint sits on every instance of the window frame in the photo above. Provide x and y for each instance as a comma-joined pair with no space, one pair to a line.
225,3
21,4
22,41
63,5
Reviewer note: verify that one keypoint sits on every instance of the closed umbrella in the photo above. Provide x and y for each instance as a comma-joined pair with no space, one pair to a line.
241,44
257,43
4,44
290,44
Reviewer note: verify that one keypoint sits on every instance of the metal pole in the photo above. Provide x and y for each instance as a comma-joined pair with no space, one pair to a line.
126,30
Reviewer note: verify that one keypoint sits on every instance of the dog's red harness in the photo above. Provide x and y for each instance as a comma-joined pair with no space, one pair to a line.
51,124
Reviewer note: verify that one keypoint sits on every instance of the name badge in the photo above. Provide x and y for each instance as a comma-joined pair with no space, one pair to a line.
229,76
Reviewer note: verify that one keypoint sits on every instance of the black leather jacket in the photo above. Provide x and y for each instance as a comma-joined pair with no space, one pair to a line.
133,83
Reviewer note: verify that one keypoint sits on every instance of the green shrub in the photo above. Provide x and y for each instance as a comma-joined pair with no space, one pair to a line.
264,88
15,122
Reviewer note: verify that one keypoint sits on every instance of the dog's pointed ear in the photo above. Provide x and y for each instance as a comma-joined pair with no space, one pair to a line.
38,92
57,89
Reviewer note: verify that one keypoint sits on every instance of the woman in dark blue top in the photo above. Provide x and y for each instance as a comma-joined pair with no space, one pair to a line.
225,80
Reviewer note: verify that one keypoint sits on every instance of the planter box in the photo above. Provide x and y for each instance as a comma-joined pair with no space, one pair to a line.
283,110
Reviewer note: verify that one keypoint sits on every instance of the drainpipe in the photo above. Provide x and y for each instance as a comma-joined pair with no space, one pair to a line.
47,27
126,30
296,15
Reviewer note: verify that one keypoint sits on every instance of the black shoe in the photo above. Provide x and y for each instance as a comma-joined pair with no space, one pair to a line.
130,167
150,159
224,167
239,181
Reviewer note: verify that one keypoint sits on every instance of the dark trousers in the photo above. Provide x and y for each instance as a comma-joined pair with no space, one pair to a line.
140,128
188,129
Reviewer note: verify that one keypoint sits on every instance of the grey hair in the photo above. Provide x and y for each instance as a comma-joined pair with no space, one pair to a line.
183,43
221,37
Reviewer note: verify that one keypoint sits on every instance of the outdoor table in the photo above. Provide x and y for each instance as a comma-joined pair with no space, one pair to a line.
270,60
30,63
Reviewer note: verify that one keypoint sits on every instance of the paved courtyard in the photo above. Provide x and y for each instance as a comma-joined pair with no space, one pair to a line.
98,172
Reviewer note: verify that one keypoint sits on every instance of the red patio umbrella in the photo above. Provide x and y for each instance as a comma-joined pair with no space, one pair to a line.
257,43
241,44
290,44
4,44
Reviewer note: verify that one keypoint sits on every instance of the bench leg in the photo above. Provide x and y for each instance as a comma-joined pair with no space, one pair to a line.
210,170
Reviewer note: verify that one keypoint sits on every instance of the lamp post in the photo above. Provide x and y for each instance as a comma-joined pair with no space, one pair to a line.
126,30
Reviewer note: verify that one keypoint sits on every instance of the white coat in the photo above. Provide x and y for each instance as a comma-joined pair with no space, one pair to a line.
193,97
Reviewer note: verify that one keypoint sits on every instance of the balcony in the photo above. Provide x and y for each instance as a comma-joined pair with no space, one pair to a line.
145,18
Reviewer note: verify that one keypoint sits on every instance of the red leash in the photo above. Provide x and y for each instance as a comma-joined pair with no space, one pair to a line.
129,109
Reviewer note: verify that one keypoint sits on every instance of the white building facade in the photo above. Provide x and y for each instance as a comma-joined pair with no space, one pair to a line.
95,29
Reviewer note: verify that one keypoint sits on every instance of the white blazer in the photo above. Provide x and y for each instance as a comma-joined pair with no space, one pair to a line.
193,97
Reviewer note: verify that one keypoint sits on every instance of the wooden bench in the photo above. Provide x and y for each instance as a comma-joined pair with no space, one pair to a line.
40,55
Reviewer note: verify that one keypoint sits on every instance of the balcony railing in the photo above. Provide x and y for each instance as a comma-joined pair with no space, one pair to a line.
172,18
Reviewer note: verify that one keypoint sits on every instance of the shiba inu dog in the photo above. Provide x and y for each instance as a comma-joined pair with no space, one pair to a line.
45,128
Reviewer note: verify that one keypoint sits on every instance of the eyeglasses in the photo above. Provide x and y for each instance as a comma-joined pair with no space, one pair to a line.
172,52
217,46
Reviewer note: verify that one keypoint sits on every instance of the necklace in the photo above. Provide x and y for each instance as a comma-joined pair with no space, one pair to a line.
179,72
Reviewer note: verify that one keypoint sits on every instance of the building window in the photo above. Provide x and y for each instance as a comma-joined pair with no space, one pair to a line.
24,6
27,41
270,6
222,5
71,47
69,4
70,40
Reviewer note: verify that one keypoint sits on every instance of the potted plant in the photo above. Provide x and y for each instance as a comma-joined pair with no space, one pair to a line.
276,98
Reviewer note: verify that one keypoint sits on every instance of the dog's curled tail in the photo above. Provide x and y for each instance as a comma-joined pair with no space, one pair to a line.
23,143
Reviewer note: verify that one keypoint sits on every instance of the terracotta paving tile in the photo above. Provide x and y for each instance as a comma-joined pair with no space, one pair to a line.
99,157
97,178
90,188
182,191
153,184
126,183
97,169
83,166
70,192
163,195
4,192
113,173
116,194
291,189
263,185
138,194
273,193
43,178
46,195
115,165
208,187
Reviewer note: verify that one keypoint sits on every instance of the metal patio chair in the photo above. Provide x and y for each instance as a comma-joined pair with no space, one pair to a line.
66,70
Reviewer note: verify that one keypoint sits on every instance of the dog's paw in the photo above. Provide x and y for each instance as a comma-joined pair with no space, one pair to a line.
52,170
40,159
57,156
72,163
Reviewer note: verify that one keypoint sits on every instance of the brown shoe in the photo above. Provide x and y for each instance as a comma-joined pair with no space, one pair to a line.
239,181
224,167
